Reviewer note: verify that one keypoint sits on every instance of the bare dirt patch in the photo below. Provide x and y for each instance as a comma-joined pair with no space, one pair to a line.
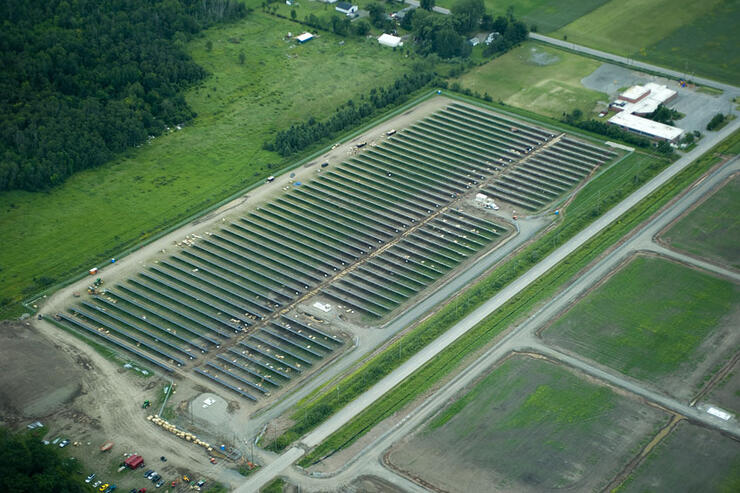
692,458
102,402
726,394
37,377
530,425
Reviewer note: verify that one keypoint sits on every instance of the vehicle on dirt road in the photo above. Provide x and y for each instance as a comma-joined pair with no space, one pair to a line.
90,477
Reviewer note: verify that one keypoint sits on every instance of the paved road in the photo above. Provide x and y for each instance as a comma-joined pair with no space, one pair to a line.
523,338
508,292
632,63
441,10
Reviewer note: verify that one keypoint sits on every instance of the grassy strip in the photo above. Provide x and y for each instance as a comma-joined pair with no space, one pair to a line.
598,196
480,335
277,485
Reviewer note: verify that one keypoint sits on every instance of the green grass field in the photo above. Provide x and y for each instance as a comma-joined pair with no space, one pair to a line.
529,425
96,214
538,78
697,37
707,46
547,16
712,230
650,320
692,458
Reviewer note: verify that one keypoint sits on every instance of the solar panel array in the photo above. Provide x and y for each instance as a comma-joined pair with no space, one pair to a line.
370,234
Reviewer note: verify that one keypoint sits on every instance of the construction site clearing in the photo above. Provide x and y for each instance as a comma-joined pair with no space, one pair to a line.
287,286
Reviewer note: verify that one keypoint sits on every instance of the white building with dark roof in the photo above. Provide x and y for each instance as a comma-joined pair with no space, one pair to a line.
346,8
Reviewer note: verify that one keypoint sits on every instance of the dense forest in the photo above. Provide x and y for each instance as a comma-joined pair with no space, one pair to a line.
84,79
28,465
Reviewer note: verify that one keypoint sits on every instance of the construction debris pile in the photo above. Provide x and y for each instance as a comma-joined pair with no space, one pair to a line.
180,433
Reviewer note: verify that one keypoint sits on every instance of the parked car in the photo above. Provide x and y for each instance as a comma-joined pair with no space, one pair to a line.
110,489
90,477
103,487
155,478
148,472
160,483
200,483
97,483
151,475
63,443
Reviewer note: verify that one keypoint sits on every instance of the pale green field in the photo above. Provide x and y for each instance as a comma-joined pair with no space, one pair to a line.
538,78
546,15
626,27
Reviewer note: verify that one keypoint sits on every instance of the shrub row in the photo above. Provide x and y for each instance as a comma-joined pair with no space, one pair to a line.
350,114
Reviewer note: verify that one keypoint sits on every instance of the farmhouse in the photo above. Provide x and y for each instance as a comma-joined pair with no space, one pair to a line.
389,40
346,8
638,101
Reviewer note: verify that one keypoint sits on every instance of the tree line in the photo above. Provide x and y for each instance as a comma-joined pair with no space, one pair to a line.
26,464
83,80
303,135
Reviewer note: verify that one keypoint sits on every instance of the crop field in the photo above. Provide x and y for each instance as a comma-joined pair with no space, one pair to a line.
370,233
529,425
546,16
712,230
696,37
656,321
692,458
99,213
538,78
706,46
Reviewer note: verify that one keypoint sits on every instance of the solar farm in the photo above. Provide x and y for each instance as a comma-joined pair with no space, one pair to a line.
369,235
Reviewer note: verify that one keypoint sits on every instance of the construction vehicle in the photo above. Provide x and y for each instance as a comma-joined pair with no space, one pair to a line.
146,404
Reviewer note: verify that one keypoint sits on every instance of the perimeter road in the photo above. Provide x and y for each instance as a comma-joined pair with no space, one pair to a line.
438,345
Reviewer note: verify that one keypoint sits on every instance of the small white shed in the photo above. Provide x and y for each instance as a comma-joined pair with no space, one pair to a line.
389,40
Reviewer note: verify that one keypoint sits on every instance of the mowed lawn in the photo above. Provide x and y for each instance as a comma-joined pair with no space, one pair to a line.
538,78
692,458
546,16
697,37
712,230
529,425
650,320
47,237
